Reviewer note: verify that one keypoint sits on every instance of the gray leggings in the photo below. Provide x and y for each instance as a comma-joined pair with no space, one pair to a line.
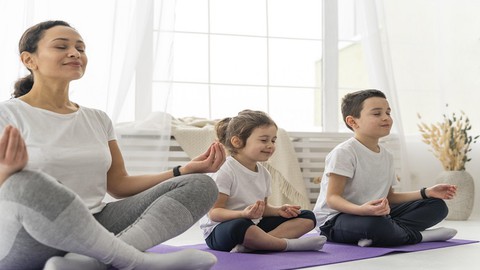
41,218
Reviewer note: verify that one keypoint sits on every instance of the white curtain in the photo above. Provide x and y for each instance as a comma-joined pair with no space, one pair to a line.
377,55
144,55
15,16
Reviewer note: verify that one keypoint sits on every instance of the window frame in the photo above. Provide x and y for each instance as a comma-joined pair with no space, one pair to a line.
327,115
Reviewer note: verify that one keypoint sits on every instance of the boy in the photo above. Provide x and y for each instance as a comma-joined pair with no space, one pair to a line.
357,203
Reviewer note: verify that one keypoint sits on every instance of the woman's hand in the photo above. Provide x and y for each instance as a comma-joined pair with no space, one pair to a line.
441,191
13,153
208,162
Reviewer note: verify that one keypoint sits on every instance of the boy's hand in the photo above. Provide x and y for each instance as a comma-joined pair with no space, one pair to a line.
378,207
441,191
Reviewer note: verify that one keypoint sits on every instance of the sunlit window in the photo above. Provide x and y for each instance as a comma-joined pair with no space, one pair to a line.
231,55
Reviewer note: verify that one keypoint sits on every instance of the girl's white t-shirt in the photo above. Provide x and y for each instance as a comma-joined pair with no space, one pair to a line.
73,148
369,176
243,187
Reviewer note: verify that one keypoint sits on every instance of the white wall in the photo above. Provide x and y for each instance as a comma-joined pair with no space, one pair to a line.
435,53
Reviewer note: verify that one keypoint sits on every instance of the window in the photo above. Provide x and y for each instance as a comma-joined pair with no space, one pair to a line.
230,55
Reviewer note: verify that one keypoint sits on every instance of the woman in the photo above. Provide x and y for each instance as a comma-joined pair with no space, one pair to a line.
58,160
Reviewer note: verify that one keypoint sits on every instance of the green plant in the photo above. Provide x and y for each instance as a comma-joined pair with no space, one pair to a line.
449,140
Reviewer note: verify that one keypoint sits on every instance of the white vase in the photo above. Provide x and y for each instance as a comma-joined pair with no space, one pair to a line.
460,207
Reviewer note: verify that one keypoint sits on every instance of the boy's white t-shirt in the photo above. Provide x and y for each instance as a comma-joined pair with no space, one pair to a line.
243,187
370,176
73,148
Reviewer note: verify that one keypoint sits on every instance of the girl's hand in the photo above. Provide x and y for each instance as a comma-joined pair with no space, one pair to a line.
208,162
441,191
255,210
289,211
378,207
13,153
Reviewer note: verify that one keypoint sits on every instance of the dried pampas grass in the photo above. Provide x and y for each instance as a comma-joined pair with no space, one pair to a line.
449,140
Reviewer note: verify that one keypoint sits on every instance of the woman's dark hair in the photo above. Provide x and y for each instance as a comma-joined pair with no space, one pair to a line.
352,103
29,43
241,126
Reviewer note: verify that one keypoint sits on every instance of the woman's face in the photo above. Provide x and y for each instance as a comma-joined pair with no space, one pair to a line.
60,55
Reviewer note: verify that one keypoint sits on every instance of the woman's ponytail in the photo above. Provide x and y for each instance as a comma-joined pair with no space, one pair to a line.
23,86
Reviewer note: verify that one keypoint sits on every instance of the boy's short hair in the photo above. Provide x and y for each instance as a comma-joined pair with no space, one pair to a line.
352,103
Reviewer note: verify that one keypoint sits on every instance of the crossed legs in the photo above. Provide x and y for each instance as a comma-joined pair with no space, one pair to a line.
44,219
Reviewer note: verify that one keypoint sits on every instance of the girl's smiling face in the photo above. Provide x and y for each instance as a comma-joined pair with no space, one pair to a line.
259,147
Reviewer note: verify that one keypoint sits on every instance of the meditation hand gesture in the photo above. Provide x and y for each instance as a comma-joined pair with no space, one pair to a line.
13,153
441,191
378,207
255,210
208,162
289,211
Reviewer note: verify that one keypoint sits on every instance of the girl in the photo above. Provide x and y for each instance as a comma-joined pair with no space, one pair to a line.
241,219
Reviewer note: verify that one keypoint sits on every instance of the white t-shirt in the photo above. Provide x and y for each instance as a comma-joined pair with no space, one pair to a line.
73,148
369,176
243,187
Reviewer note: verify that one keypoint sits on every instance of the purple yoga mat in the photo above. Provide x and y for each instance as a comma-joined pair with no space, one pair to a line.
330,254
